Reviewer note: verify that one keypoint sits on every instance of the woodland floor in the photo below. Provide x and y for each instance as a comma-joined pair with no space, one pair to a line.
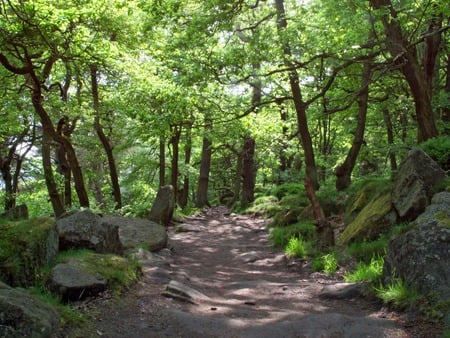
250,289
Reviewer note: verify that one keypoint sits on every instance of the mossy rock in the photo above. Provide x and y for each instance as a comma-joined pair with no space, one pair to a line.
360,200
374,219
119,272
25,248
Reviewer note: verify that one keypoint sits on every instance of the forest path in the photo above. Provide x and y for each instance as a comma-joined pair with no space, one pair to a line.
241,287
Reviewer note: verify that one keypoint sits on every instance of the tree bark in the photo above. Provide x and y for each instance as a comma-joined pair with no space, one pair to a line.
113,174
248,172
405,56
205,165
162,161
344,171
184,192
175,142
390,139
55,198
299,104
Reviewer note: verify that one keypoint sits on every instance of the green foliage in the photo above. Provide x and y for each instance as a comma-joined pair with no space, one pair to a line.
367,272
285,189
327,263
398,294
280,236
438,148
120,272
295,248
23,250
364,251
265,206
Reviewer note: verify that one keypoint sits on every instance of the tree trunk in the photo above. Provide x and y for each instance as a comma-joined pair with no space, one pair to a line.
344,171
446,110
162,161
55,198
47,125
205,164
113,174
300,106
419,80
248,172
175,142
184,193
390,139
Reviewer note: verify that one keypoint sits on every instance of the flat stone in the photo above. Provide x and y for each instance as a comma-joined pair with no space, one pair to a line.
183,292
343,290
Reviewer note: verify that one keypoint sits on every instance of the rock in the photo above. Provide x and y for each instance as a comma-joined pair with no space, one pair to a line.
186,227
163,207
135,232
375,218
421,256
23,315
73,283
87,230
343,290
183,292
31,245
413,186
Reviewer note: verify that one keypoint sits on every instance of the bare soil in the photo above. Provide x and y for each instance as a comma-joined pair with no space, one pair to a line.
246,288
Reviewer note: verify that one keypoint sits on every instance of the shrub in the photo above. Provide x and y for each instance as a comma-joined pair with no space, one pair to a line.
439,150
287,189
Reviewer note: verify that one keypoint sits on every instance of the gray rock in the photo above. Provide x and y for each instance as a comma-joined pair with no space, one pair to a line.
87,230
421,256
135,232
343,290
183,292
73,283
163,207
413,186
22,315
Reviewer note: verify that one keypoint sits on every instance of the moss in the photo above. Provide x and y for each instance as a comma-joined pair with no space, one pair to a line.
371,221
361,199
443,218
23,250
120,272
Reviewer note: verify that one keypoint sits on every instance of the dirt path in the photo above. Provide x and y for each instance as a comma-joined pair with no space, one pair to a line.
241,287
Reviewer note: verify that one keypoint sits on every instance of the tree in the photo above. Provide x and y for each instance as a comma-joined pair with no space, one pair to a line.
406,57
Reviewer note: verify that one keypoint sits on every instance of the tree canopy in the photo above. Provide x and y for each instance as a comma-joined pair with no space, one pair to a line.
104,101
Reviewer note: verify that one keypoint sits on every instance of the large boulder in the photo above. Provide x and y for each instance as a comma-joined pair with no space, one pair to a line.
87,230
375,218
163,207
421,256
71,282
25,248
23,315
137,232
413,186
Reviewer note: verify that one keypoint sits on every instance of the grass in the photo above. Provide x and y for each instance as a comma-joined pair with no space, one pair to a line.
326,263
398,294
367,271
295,248
68,315
280,236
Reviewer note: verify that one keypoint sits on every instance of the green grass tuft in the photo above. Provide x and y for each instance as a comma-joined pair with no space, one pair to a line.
367,272
398,294
295,248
